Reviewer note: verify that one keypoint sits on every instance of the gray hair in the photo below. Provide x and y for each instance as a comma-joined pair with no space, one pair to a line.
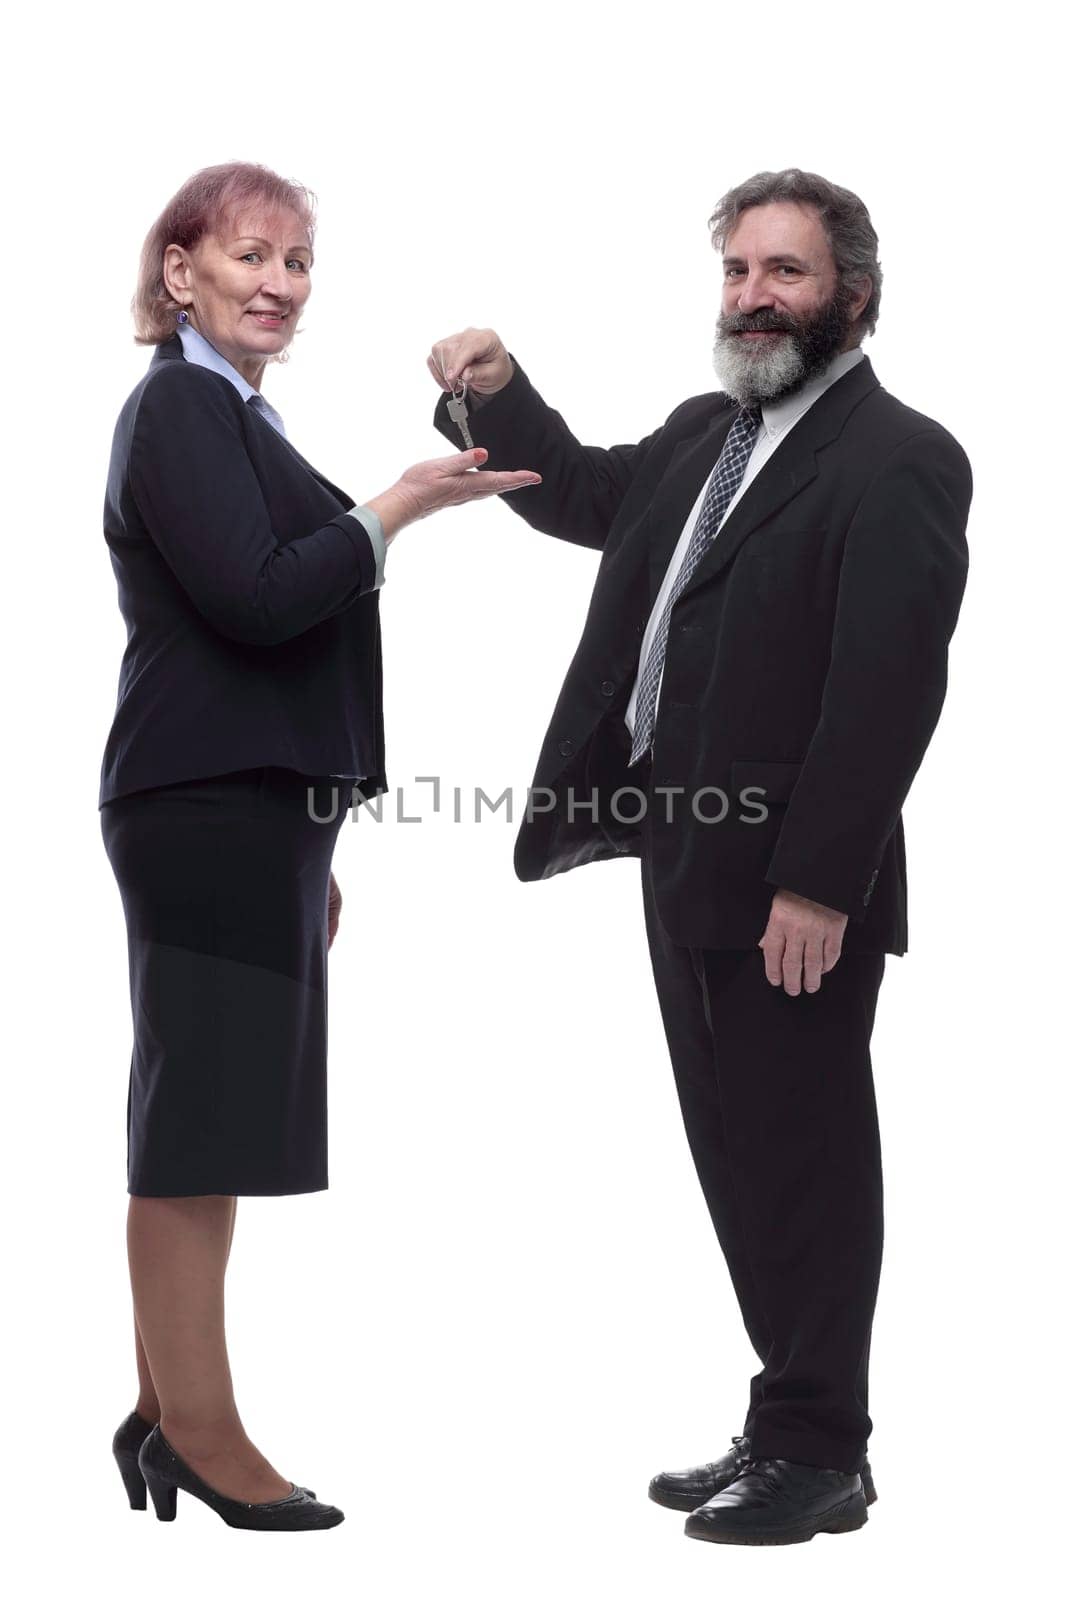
845,219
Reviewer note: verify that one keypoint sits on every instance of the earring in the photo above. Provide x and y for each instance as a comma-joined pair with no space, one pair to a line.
183,315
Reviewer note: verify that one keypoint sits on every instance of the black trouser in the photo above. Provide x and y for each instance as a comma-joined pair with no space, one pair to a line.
778,1103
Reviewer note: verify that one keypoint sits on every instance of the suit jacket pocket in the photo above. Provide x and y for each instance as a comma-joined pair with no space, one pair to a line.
774,778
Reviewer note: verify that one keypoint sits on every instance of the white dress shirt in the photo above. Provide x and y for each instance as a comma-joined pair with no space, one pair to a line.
778,417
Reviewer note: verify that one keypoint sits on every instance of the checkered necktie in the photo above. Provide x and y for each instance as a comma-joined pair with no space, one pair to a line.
729,470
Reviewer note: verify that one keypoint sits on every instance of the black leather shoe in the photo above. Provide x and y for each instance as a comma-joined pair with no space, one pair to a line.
165,1473
780,1502
130,1435
685,1491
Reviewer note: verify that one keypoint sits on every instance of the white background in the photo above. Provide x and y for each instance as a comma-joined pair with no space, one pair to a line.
509,1309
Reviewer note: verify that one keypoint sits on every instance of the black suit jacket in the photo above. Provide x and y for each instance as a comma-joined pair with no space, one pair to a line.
251,616
806,659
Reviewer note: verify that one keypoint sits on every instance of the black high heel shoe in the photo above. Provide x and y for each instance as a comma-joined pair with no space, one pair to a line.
129,1437
165,1473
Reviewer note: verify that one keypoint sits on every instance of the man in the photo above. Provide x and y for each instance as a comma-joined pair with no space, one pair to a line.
763,664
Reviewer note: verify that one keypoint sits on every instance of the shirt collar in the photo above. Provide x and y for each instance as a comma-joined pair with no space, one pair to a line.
781,414
202,353
199,350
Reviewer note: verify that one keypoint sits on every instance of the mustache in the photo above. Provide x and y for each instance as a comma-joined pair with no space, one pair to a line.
759,322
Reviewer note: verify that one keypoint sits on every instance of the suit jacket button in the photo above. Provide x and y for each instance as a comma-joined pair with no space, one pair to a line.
566,747
607,688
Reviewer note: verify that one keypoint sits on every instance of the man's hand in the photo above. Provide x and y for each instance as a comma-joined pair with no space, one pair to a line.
801,941
333,911
476,356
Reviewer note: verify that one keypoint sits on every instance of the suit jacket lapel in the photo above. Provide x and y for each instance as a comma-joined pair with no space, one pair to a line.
792,466
171,350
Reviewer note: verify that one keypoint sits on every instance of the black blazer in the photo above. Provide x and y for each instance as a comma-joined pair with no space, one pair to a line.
807,656
251,616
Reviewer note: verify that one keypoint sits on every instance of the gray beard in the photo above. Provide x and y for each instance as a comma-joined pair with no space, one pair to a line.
760,373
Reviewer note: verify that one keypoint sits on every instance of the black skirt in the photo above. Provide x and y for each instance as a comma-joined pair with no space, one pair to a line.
224,883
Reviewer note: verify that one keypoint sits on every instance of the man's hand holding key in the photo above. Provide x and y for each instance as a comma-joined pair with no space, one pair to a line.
474,360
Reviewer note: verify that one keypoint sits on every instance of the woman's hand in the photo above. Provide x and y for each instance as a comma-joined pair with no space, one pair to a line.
430,486
333,911
449,481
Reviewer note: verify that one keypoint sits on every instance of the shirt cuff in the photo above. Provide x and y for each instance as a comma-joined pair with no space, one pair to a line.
372,522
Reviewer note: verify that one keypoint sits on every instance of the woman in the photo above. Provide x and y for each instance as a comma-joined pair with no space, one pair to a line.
249,709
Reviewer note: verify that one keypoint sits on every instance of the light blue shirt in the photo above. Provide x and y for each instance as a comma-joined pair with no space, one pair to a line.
201,351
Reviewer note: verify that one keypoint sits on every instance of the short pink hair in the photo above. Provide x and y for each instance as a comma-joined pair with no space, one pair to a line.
210,200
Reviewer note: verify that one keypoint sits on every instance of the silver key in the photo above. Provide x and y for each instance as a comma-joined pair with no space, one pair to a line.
457,410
